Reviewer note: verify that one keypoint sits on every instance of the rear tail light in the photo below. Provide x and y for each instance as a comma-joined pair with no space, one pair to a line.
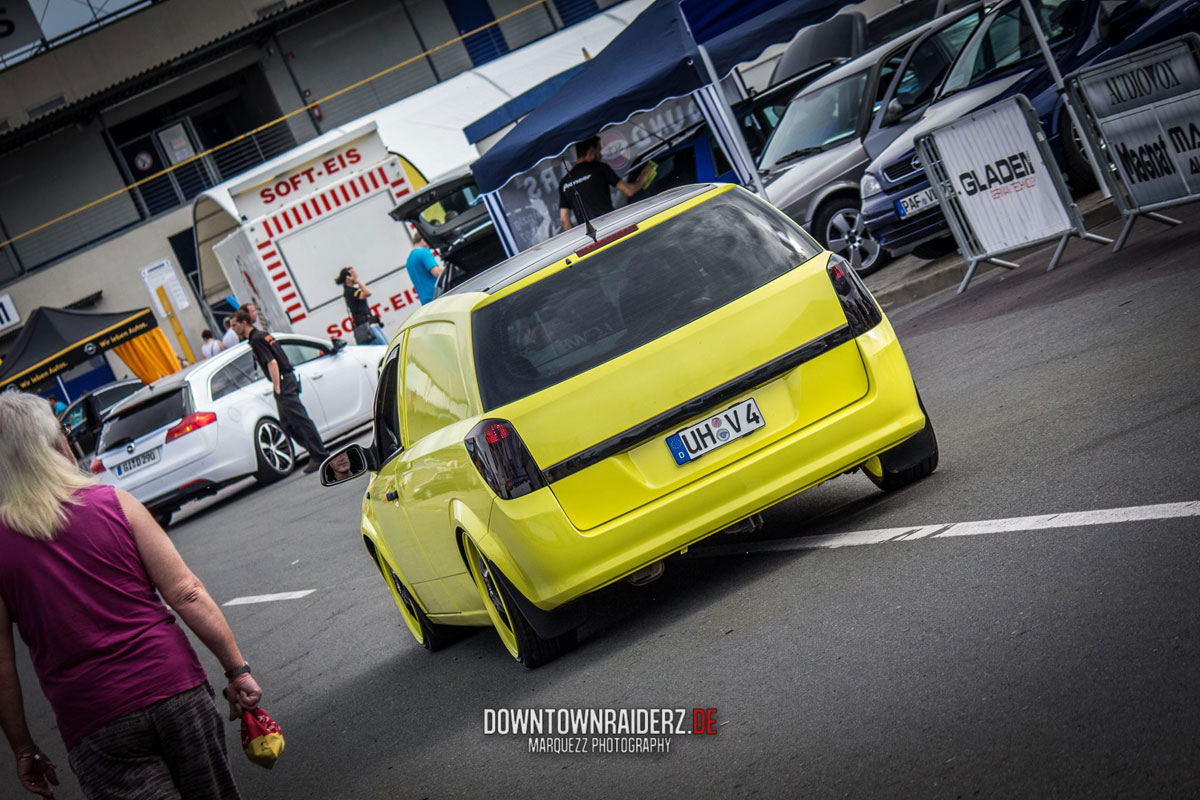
503,460
862,313
97,467
190,423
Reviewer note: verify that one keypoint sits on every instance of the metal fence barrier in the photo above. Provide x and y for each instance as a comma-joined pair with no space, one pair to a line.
999,185
1143,112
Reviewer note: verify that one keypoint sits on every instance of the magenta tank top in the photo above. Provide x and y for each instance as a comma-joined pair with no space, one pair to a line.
102,642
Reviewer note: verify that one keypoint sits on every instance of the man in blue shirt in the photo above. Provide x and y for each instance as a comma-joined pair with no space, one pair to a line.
422,269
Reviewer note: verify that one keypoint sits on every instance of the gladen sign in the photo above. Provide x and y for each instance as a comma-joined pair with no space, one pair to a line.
1000,179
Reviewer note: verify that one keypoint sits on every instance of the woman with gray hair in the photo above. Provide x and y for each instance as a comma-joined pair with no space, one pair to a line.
78,577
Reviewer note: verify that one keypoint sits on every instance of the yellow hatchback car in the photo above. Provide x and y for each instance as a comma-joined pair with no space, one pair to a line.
578,413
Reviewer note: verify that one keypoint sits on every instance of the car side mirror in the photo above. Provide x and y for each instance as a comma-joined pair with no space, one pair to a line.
894,111
347,464
338,344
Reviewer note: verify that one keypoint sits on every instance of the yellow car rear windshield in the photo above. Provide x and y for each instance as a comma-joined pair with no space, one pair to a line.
632,293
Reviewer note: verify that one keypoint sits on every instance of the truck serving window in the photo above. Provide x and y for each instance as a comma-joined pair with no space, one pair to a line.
637,290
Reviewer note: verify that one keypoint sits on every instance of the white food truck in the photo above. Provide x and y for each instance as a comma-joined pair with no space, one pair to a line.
301,221
279,233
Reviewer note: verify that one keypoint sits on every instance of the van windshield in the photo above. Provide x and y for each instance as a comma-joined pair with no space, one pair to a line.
631,293
136,421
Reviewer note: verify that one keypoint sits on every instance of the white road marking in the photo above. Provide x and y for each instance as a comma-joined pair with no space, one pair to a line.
268,598
1072,519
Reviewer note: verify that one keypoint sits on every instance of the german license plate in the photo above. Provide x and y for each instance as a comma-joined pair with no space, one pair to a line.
718,430
137,462
916,203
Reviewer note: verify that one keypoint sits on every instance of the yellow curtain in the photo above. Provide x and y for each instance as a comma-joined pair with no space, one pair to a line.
149,356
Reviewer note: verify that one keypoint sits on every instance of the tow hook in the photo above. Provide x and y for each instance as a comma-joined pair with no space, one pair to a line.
648,574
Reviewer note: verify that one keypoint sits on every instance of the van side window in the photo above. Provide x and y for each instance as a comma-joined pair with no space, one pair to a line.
435,394
387,410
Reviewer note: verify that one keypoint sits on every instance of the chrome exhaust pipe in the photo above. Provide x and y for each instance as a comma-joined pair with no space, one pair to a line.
751,524
648,574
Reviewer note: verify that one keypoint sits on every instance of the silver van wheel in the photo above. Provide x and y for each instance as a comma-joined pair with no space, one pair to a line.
846,234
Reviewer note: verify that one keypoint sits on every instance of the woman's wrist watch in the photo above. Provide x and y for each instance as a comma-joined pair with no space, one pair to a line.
244,669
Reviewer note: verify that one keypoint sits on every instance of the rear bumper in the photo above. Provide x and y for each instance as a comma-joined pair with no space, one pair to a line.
184,476
174,499
551,562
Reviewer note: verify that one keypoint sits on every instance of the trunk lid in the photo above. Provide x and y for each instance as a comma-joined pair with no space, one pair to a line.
626,392
600,349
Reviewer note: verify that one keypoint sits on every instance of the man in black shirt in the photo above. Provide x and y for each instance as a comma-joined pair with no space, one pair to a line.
355,293
587,183
275,364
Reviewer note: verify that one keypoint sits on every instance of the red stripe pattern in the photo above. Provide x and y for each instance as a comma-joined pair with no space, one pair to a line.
388,176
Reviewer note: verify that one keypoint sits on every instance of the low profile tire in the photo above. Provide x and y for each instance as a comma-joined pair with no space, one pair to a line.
273,451
1079,168
519,638
430,635
842,229
906,463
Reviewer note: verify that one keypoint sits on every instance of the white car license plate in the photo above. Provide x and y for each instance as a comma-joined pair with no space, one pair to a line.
137,462
916,203
720,429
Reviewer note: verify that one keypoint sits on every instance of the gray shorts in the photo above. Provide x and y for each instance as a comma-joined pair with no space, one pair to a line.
170,750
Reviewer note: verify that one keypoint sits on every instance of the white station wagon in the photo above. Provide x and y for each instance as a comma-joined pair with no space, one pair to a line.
192,433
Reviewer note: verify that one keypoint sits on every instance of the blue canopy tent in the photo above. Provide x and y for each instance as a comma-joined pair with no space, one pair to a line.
674,48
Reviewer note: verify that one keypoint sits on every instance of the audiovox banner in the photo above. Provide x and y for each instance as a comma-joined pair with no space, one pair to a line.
1147,108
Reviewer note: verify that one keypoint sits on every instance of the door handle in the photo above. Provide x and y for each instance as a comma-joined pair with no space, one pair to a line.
392,496
318,375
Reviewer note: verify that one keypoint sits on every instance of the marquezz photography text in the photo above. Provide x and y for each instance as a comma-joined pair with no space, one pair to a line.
600,730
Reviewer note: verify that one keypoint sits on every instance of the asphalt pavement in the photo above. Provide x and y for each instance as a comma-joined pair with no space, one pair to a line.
861,644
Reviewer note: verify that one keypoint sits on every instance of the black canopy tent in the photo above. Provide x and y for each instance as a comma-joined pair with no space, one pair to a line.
54,340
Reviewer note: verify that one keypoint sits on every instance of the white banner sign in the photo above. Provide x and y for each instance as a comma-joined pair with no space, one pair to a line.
1148,108
9,317
1000,179
163,274
531,198
329,167
18,25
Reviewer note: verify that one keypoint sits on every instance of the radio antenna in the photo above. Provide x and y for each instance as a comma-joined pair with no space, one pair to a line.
580,207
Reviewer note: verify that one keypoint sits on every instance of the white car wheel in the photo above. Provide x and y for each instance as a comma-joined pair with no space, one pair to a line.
273,450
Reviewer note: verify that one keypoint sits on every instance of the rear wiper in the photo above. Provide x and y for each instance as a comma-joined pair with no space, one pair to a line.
118,443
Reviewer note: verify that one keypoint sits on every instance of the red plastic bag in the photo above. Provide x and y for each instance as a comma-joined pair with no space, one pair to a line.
262,740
